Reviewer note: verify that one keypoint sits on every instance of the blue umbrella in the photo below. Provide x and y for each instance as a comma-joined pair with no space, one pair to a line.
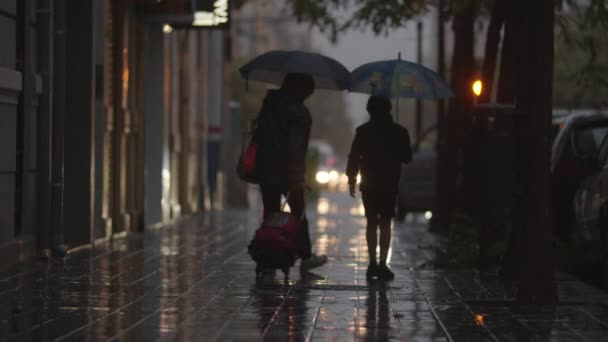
398,78
271,67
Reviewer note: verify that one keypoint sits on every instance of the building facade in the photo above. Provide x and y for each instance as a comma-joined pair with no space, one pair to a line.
105,121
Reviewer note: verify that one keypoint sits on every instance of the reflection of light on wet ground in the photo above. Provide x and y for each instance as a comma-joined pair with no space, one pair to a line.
419,218
323,206
323,242
358,210
322,224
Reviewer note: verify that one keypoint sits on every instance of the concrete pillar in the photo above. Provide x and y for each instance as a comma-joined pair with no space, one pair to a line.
204,199
99,225
79,167
57,122
154,126
215,97
26,196
11,85
45,67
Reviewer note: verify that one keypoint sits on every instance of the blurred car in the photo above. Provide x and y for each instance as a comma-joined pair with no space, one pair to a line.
326,174
572,161
417,182
558,122
591,203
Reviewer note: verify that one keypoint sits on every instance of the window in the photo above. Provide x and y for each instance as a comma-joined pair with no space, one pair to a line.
602,156
587,140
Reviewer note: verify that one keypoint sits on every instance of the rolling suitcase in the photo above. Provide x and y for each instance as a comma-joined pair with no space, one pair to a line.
275,244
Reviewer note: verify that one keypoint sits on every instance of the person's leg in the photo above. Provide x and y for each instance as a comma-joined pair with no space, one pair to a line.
372,238
371,231
387,212
296,201
271,199
297,206
385,238
384,272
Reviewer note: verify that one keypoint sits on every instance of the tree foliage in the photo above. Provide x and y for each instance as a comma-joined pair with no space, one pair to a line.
581,73
336,16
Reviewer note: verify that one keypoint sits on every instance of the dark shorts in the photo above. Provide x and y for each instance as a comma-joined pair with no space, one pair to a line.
379,204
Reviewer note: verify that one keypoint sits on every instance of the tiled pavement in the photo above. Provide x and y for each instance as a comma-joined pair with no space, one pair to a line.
195,281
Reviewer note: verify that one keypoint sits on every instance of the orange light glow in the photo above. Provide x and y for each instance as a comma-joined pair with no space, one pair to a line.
477,87
479,320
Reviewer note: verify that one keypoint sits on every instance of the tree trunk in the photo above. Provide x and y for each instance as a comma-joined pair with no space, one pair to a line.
534,81
455,130
506,91
506,94
438,223
491,49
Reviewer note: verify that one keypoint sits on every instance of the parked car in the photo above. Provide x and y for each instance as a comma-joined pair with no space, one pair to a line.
417,183
591,203
572,161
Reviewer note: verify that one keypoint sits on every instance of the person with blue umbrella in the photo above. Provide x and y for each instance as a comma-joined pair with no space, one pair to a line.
397,78
378,150
381,146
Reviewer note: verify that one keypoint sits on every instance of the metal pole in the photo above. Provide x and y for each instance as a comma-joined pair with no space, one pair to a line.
419,61
440,62
397,109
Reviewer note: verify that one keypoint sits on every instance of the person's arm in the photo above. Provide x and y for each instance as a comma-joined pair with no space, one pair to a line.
354,163
406,157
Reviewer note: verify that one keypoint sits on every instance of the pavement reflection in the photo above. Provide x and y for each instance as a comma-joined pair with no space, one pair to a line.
194,281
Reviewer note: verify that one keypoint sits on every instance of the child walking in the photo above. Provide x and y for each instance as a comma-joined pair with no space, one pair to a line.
378,150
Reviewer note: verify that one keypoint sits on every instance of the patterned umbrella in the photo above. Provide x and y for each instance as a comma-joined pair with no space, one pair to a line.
398,78
271,67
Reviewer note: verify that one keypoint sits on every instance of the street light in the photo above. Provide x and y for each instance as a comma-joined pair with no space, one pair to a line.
477,88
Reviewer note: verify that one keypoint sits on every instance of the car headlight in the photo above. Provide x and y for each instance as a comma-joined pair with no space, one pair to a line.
323,177
333,175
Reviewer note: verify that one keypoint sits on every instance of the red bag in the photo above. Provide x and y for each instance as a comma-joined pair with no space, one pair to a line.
246,166
278,232
275,243
250,158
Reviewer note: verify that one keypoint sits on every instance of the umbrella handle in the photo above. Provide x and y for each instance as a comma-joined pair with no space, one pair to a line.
397,109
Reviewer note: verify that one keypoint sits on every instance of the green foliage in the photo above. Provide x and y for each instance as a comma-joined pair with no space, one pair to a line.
463,250
337,16
581,54
381,15
462,247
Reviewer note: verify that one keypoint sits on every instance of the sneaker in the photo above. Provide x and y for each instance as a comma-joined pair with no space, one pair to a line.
372,270
312,262
385,273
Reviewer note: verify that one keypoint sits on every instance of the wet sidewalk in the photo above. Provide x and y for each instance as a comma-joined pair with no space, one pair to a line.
194,281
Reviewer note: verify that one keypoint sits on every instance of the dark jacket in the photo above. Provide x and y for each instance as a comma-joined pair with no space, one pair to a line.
282,135
378,150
